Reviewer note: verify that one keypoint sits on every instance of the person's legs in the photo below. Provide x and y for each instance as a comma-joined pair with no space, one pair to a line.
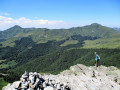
96,63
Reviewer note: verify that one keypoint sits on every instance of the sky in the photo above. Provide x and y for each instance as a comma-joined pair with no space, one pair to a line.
58,13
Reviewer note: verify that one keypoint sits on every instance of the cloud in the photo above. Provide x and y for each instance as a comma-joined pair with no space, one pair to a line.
7,22
6,14
2,13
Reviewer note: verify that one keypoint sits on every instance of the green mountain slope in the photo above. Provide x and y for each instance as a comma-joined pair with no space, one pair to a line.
42,35
11,32
61,60
53,50
103,43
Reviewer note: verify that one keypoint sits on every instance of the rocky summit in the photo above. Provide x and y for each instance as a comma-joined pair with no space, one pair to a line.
78,77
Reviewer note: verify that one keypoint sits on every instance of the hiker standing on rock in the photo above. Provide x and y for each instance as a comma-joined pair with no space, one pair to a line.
97,58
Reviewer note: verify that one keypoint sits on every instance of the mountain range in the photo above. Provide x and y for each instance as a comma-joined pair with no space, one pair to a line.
54,50
43,35
118,29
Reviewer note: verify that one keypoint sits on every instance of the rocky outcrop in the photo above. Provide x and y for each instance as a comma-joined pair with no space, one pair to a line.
79,77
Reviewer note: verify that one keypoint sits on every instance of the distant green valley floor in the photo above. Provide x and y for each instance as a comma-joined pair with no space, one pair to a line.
69,42
103,43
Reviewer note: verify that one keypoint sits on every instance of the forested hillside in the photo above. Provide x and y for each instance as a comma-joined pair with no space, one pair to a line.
54,50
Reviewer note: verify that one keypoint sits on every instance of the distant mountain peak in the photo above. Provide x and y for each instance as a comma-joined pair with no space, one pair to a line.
16,26
96,24
116,28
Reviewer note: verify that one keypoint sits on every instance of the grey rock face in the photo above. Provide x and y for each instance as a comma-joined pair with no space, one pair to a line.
8,87
79,77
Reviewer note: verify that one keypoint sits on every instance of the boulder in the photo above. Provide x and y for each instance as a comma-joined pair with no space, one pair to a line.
49,88
16,84
8,87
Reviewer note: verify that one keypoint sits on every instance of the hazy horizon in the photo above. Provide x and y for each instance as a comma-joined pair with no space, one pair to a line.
57,28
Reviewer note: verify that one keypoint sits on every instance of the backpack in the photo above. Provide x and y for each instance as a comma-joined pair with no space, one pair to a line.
98,57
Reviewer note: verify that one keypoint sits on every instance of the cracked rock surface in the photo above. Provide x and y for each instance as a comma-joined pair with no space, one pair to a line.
78,77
